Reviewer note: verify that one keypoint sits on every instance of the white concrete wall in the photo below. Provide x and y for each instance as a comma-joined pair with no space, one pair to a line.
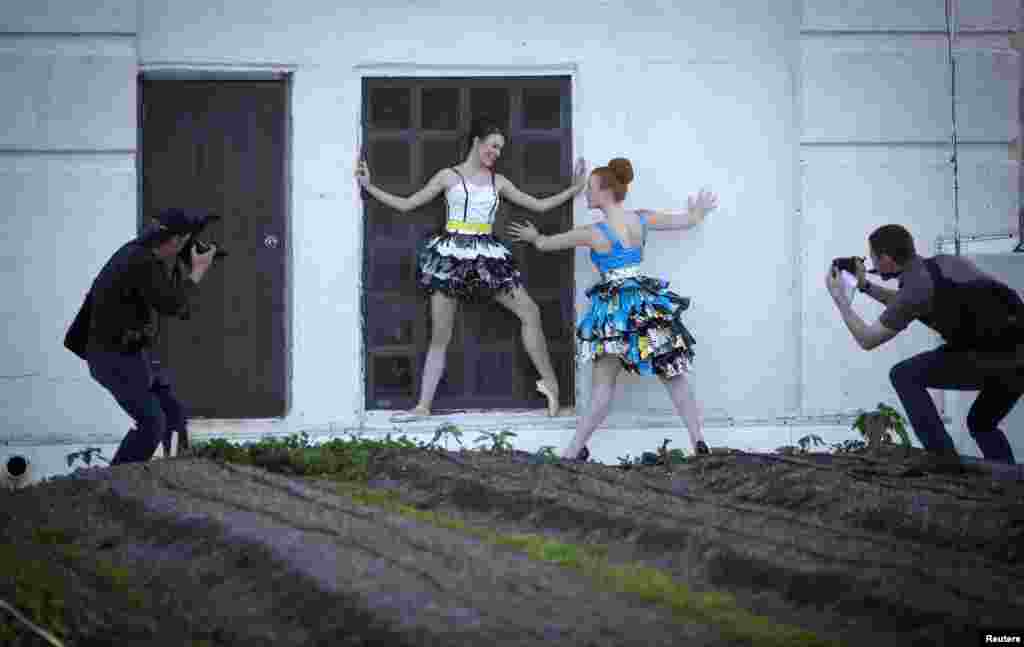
679,107
68,191
875,149
815,121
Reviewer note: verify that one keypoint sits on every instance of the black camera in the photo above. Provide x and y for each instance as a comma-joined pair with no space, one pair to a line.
847,263
201,247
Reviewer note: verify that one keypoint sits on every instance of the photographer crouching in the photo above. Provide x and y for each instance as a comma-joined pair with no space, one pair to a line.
977,317
120,320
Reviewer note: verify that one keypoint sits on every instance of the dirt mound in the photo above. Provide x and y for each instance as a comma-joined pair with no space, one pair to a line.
736,549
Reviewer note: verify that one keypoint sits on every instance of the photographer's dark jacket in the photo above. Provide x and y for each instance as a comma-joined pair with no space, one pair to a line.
128,296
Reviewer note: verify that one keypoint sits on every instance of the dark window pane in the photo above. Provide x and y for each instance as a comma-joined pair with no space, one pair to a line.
453,382
392,321
496,371
439,154
553,320
546,270
391,268
542,162
440,108
492,103
510,163
542,108
491,323
393,376
389,162
390,108
386,224
564,363
428,219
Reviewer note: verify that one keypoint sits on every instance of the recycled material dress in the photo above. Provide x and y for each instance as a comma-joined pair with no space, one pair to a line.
466,261
634,317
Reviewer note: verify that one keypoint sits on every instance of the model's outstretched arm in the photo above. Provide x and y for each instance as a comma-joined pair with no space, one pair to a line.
416,200
527,233
540,205
697,210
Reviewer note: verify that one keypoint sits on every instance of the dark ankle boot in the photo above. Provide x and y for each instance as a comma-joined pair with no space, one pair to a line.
583,455
702,448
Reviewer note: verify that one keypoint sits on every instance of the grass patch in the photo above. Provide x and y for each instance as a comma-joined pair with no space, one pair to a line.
346,463
40,578
651,584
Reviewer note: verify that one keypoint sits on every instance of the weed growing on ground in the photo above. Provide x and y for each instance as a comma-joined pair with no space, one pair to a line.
499,441
895,423
810,440
86,455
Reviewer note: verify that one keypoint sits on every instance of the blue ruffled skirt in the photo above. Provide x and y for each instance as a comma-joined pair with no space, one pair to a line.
638,321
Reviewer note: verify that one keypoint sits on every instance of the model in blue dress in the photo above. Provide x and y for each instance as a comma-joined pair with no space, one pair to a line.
633,321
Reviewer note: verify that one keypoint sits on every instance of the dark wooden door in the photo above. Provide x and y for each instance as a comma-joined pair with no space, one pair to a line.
221,145
411,129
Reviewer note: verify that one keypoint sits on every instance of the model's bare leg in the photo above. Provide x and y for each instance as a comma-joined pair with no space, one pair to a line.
442,318
681,392
520,303
602,388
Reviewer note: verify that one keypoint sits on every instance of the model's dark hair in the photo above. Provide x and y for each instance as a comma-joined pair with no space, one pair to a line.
893,240
482,127
616,175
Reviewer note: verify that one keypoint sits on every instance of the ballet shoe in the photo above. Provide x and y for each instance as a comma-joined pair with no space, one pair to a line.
552,399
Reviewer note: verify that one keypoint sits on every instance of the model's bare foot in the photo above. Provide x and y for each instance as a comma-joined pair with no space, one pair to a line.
552,395
417,412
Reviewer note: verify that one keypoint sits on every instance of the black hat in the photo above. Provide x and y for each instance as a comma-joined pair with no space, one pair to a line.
177,221
170,222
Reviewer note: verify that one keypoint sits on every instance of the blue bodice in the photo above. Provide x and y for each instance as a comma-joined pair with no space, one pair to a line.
619,256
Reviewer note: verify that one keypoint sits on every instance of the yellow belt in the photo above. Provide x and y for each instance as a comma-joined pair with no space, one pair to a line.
461,227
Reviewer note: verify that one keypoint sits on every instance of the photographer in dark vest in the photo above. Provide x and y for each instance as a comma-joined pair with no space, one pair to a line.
975,314
120,320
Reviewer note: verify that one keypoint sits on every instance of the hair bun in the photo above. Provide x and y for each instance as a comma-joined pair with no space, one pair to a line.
622,169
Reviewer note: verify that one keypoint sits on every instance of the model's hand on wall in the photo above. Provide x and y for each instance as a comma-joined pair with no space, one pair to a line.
580,175
702,205
362,173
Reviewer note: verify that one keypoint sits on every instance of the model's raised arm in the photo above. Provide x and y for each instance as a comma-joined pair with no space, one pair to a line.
513,194
697,210
404,204
527,233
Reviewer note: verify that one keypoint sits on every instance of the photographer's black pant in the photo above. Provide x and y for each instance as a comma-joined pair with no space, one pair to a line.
145,395
953,371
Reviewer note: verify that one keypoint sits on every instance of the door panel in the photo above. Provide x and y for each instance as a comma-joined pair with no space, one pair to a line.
220,146
412,129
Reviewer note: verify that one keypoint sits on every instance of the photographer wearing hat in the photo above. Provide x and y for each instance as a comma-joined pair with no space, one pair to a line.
977,317
119,323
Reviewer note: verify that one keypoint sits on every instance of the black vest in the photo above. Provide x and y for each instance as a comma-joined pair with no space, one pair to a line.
979,315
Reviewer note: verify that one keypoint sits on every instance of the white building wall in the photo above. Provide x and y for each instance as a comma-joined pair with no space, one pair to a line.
876,149
68,186
815,122
678,90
